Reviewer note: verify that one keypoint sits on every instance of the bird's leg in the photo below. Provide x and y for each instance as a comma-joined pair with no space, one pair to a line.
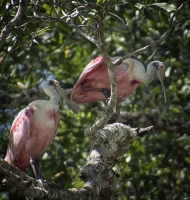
35,163
105,91
118,111
107,94
38,173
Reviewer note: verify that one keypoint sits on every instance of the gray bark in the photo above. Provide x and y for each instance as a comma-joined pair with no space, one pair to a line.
107,146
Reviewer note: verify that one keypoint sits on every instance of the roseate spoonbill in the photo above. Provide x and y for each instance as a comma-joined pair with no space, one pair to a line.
94,83
35,127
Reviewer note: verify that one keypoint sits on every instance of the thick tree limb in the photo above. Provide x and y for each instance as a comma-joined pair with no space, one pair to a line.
14,22
25,184
107,144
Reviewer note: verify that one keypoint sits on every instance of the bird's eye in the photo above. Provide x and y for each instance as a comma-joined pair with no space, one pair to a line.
52,84
161,67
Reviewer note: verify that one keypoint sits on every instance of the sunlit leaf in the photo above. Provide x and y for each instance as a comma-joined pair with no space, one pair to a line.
139,5
163,7
176,110
101,1
88,14
47,8
92,2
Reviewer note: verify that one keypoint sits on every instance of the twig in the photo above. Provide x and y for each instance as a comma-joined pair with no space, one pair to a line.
18,17
172,24
91,39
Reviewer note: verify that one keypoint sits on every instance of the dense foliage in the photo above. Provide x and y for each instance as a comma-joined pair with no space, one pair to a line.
43,47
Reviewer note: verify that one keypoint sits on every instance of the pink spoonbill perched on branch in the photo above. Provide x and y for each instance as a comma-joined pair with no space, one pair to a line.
35,127
94,83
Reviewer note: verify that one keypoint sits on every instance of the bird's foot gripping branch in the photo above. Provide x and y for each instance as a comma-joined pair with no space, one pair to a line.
108,145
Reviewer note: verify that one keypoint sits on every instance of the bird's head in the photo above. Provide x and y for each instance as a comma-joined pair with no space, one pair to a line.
48,86
160,72
50,89
48,83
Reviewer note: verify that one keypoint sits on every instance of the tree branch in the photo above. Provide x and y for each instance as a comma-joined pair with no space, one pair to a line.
25,184
99,36
107,144
18,17
171,25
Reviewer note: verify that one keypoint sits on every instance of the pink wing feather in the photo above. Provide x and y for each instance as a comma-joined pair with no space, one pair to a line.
78,95
91,68
19,134
95,75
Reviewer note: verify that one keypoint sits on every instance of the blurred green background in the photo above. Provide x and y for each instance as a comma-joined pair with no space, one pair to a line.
156,166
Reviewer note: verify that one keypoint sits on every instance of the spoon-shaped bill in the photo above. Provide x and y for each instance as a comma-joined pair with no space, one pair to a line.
74,107
163,88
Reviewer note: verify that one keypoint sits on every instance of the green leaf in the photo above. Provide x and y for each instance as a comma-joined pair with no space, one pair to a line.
92,2
117,16
14,86
100,1
150,15
176,110
139,5
163,7
89,14
47,8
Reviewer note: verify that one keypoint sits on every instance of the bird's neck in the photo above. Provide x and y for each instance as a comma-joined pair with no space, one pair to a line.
139,72
149,74
54,97
55,100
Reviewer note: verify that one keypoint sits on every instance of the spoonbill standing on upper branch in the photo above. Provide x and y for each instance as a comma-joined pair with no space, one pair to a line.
94,83
35,127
